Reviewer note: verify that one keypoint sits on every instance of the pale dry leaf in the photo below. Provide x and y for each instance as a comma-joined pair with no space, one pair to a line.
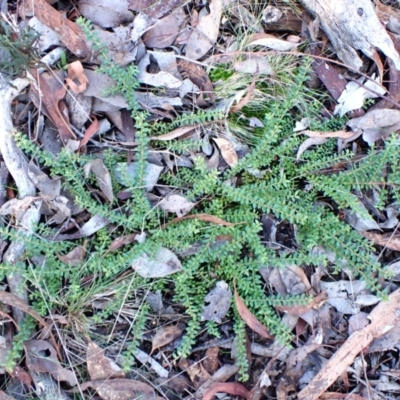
206,32
176,133
99,366
337,134
355,93
102,175
145,359
273,43
164,263
164,33
167,334
219,300
308,143
17,207
211,362
121,389
228,152
379,118
152,174
107,13
197,373
121,241
48,187
254,64
176,204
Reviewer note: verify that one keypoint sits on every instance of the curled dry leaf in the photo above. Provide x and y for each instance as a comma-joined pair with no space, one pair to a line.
250,319
102,175
167,334
198,76
90,131
233,388
99,366
17,207
227,151
76,72
163,264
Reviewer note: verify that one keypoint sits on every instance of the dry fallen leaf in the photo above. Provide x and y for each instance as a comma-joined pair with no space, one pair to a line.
164,263
76,72
206,32
312,141
121,389
176,204
233,388
273,42
71,34
219,300
39,361
387,240
250,319
99,366
74,257
227,151
384,317
196,371
176,133
201,217
167,334
121,241
296,309
337,134
211,362
102,175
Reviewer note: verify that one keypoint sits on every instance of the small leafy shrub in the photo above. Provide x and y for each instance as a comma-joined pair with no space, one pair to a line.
267,180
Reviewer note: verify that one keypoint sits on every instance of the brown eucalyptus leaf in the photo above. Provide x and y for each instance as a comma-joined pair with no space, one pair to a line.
250,319
197,74
71,34
99,366
211,362
121,241
176,133
201,217
233,388
74,257
167,334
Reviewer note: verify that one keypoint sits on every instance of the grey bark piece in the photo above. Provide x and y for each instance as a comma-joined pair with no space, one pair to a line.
353,25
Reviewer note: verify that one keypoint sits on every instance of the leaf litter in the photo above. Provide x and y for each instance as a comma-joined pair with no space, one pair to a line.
172,44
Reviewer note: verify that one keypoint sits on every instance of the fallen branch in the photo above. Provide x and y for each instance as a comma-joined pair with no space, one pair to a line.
384,317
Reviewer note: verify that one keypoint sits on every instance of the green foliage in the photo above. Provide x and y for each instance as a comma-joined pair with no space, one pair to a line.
17,51
289,190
